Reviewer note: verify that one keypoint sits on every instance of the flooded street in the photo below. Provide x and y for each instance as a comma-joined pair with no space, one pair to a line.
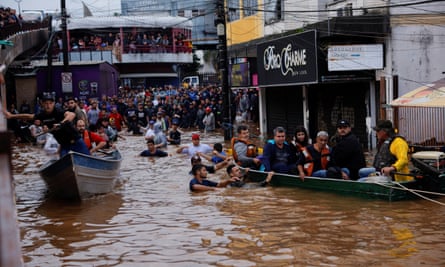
152,219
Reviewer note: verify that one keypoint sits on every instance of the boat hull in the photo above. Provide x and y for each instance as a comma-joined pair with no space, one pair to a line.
373,190
75,175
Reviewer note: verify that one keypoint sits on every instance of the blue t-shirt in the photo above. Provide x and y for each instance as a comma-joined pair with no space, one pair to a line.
204,182
216,159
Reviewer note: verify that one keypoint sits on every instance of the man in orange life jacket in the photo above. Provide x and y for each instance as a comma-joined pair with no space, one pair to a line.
244,153
90,137
316,159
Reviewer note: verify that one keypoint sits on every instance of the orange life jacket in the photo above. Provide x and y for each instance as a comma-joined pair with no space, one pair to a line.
309,161
86,139
252,150
299,147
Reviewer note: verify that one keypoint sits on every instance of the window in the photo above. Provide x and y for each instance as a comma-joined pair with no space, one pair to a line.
250,7
233,7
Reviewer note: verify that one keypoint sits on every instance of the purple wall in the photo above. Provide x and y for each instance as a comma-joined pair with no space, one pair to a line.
88,81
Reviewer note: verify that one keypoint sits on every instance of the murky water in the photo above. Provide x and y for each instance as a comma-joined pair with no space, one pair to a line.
151,219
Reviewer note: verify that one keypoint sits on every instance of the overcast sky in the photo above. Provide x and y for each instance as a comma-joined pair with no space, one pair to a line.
74,7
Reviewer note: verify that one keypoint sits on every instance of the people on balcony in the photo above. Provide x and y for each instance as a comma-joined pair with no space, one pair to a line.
142,42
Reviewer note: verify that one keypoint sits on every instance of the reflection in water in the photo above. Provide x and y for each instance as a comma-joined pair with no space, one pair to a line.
153,220
72,222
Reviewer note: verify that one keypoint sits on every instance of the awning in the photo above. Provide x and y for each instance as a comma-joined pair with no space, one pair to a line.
430,95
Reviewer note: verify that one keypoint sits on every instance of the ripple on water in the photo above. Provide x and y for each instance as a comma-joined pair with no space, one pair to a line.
152,219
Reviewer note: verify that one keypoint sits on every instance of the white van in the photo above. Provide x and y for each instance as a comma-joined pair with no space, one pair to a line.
33,15
190,81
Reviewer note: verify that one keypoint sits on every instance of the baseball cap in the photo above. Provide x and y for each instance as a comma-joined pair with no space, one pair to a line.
208,109
49,96
341,123
195,136
383,124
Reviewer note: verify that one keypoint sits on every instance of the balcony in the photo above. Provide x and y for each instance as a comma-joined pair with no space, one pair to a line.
131,54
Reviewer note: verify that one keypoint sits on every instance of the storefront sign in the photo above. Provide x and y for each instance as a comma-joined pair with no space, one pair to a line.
355,57
289,60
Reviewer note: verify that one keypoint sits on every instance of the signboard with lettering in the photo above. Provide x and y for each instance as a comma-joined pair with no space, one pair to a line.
67,82
239,74
355,57
290,60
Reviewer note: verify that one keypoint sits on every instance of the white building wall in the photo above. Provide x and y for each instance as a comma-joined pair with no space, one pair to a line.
297,14
417,54
410,7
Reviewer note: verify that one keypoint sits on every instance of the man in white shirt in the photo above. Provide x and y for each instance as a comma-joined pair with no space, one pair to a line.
150,133
195,147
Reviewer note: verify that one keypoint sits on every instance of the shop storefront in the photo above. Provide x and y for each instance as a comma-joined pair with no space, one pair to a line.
298,88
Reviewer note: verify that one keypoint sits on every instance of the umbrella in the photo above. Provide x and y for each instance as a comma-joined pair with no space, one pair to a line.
430,95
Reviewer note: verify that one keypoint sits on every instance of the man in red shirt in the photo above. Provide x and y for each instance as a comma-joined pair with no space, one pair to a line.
116,119
90,138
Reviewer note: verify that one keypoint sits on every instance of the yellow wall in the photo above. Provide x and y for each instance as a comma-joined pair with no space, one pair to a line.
246,28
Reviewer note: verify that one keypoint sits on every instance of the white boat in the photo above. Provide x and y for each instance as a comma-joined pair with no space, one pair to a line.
76,175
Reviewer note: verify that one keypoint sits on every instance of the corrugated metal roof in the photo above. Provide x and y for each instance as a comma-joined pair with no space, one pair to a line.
126,21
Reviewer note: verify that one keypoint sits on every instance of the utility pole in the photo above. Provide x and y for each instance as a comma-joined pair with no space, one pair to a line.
64,35
66,76
220,23
18,3
49,55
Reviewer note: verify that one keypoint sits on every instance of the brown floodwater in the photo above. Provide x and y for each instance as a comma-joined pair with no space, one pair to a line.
152,219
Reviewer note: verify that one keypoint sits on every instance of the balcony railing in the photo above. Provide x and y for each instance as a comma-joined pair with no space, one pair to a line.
131,54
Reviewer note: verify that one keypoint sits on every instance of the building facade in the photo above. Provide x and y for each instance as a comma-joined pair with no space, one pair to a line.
201,14
367,53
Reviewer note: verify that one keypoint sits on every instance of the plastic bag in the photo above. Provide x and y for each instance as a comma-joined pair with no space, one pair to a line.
51,145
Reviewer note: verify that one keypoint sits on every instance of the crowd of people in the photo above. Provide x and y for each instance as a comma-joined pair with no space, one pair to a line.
8,16
157,115
139,109
338,157
140,42
343,158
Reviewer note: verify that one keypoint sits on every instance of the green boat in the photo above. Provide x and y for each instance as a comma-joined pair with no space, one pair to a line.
374,188
428,173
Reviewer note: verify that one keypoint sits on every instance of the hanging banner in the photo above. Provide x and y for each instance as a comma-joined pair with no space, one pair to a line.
290,60
67,82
